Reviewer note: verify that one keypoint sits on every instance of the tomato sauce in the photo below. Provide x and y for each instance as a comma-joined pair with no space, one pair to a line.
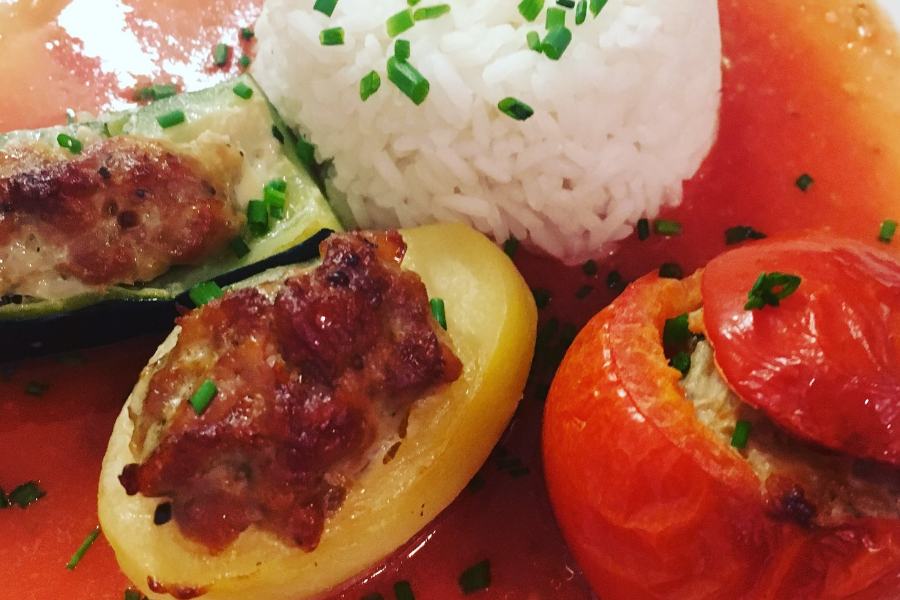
809,87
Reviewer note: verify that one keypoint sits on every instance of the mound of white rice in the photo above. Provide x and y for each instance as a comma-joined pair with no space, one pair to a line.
620,120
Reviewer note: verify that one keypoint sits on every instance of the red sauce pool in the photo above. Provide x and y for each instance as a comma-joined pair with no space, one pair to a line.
809,87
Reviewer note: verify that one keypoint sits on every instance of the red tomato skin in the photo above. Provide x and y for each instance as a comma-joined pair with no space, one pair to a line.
654,506
825,364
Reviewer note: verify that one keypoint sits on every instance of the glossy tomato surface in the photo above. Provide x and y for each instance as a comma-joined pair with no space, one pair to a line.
654,505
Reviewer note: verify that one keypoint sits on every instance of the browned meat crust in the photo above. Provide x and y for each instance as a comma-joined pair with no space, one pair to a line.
124,210
305,384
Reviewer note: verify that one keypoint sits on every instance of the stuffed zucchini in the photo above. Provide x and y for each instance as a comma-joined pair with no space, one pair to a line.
108,220
357,422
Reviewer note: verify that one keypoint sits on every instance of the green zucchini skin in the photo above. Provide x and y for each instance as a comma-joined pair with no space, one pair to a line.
39,326
114,320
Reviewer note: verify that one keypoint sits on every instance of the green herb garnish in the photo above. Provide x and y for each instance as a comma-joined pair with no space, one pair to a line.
533,39
408,80
239,247
741,433
682,362
643,229
203,292
399,23
770,289
154,92
242,90
477,577
431,12
401,49
666,227
675,330
247,33
403,591
514,108
203,396
742,233
368,85
332,37
26,494
803,182
887,230
581,12
510,246
326,7
596,6
220,54
530,9
438,311
79,554
171,119
70,143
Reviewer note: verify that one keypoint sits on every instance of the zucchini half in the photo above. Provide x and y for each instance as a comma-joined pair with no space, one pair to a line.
34,326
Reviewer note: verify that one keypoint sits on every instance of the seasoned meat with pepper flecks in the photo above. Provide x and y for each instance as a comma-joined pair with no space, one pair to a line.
308,374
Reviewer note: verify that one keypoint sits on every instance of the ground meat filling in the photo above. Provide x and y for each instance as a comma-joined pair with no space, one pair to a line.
124,210
308,375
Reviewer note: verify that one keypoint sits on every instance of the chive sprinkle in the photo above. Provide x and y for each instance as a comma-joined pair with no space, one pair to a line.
244,61
154,92
643,229
326,7
399,23
566,3
239,247
171,119
477,577
514,108
4,501
220,54
373,596
510,246
534,40
368,85
401,49
541,297
408,80
203,396
887,230
431,12
803,182
613,280
741,433
242,90
581,12
306,152
682,362
36,388
437,310
770,288
530,9
273,196
671,270
666,227
332,37
83,548
589,268
276,133
556,17
133,594
203,292
26,494
70,143
596,6
675,330
584,291
556,41
247,33
412,2
403,591
258,217
279,185
742,233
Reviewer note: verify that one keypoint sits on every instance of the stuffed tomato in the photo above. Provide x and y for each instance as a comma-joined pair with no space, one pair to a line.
340,416
733,434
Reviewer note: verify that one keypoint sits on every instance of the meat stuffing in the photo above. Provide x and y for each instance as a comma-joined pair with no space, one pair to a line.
309,373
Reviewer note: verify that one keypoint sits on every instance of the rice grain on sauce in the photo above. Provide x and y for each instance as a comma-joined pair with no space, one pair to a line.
620,120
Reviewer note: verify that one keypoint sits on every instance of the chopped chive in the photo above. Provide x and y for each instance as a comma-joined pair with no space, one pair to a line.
279,185
70,143
666,227
326,7
239,247
742,233
247,33
36,388
887,230
534,40
258,217
155,92
372,596
597,6
530,9
643,229
332,37
675,330
204,292
477,577
399,23
671,270
589,268
431,12
581,12
566,3
244,61
741,433
368,85
306,152
682,362
26,494
556,41
584,291
133,594
541,297
510,246
203,396
220,54
408,80
567,334
515,108
401,49
803,182
546,332
4,501
276,133
437,310
83,548
613,280
242,90
770,289
475,484
171,119
412,2
556,17
274,199
403,591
